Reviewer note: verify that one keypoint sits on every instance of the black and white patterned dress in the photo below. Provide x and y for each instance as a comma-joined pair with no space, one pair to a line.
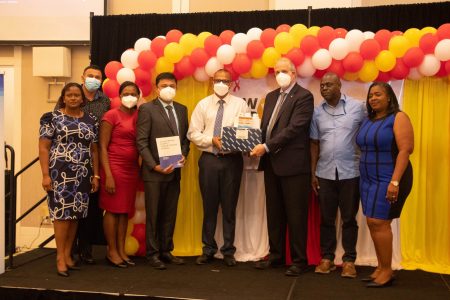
70,163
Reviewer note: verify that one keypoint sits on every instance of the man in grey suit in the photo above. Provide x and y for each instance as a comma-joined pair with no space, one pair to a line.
162,117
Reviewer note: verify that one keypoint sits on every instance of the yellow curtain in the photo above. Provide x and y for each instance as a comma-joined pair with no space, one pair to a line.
425,220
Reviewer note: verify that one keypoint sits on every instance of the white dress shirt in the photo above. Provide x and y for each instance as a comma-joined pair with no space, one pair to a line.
201,127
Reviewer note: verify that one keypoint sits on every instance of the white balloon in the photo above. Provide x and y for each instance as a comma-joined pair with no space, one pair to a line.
354,38
442,50
161,36
414,74
240,42
321,59
226,54
339,48
213,65
201,75
142,44
140,201
306,69
254,33
368,35
430,65
129,59
125,74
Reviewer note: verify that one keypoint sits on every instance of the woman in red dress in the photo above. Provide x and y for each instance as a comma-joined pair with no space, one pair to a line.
120,172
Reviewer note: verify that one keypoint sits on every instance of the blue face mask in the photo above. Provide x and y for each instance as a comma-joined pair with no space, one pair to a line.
92,84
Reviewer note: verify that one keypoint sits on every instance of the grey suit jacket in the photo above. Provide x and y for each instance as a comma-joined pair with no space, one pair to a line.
153,123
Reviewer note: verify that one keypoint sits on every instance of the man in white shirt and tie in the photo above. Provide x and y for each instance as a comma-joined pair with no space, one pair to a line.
219,172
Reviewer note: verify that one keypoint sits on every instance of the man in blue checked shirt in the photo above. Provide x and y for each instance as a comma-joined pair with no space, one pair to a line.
335,171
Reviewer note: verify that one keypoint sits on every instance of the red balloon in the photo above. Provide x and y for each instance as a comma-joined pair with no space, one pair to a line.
397,32
319,73
442,71
115,102
142,249
234,75
212,43
185,67
268,36
309,45
226,36
146,89
413,57
112,68
428,42
383,36
447,67
283,28
336,67
157,46
325,36
146,59
383,76
296,56
142,76
353,62
241,63
400,71
199,57
255,49
111,88
340,32
139,232
173,35
443,32
369,49
177,74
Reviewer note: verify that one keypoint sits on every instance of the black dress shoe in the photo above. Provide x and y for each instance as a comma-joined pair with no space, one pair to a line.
156,263
374,284
62,273
295,270
204,259
121,265
265,263
167,257
87,258
367,279
229,260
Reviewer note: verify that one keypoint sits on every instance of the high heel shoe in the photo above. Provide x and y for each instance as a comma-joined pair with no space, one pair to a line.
121,265
367,279
129,262
62,273
374,284
74,267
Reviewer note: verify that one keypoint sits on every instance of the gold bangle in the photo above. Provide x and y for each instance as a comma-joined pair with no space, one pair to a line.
97,176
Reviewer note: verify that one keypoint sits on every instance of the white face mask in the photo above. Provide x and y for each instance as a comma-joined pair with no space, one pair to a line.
283,80
167,93
221,89
129,101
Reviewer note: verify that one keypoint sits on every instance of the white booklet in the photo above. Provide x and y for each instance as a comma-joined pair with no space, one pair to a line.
169,150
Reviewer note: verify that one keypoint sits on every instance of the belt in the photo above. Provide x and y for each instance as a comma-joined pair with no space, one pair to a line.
229,154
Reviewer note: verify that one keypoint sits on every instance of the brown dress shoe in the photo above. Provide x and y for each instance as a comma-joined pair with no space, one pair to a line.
325,267
348,270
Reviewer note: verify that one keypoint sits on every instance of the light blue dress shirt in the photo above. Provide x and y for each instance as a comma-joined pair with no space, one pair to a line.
335,128
164,104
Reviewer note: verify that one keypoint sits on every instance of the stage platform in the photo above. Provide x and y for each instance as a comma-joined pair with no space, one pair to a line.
34,277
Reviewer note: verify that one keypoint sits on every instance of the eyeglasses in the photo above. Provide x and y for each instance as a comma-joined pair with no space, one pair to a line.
224,81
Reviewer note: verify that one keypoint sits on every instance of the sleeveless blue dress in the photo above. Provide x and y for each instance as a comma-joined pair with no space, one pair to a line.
377,161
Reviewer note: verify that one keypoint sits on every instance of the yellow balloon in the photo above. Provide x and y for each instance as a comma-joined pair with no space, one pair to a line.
188,41
413,35
130,227
351,76
428,29
398,45
173,52
131,245
283,42
201,38
368,72
313,30
270,57
258,70
163,65
298,31
385,61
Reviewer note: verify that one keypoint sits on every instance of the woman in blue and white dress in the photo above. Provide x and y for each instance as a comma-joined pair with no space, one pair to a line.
69,162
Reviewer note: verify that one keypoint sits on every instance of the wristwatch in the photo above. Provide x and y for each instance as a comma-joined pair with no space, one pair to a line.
394,183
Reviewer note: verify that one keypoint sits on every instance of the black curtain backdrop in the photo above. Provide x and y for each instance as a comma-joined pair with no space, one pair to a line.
111,35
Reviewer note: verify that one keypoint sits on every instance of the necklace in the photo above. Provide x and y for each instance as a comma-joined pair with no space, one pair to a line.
78,115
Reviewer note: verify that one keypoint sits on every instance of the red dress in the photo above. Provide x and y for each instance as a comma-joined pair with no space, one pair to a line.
123,162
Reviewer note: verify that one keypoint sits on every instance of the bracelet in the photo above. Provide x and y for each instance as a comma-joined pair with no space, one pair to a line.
97,176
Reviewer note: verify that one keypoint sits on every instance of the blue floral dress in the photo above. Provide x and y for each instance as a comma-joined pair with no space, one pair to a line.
70,163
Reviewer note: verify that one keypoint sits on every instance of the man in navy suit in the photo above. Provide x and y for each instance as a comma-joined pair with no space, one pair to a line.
159,118
285,159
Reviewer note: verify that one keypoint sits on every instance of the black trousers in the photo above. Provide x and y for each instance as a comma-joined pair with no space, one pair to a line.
161,203
90,229
342,194
287,204
220,180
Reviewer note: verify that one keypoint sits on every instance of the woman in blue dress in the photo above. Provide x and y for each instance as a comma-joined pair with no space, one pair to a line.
69,163
386,140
